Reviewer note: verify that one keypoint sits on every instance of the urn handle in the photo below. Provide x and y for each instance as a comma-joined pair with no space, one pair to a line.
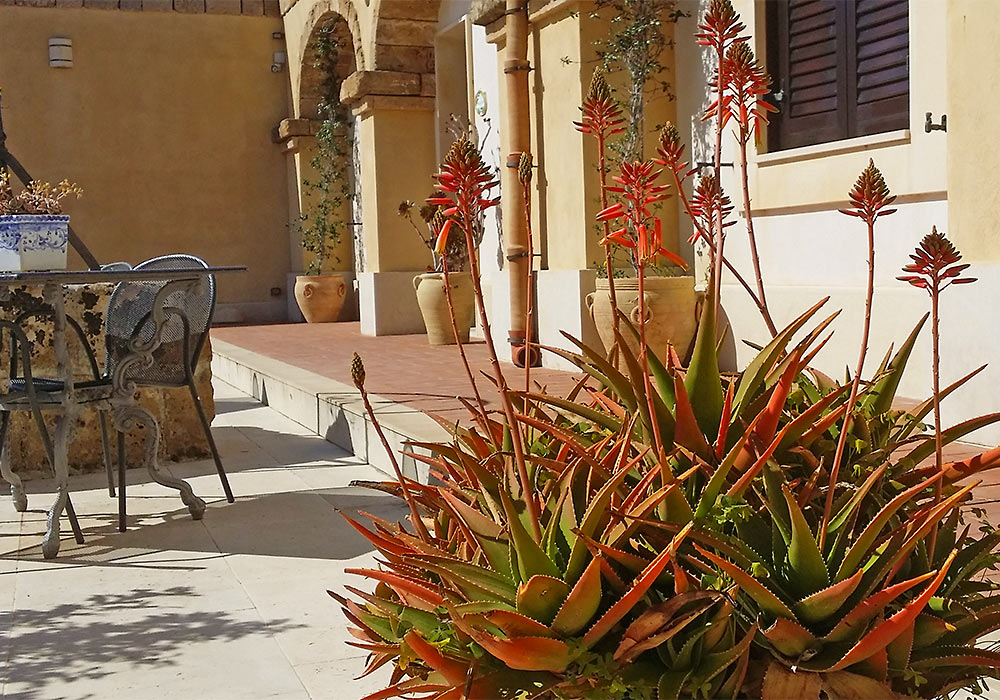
634,313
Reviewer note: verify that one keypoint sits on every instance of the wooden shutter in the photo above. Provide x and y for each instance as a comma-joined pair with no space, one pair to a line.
882,79
840,66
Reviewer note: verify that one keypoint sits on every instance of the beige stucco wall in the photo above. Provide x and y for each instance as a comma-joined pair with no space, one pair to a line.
973,126
165,121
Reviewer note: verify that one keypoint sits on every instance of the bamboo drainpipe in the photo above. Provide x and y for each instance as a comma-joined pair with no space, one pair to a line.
517,128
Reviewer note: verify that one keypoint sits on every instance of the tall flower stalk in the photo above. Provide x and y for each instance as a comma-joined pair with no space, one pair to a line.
524,177
936,267
871,200
467,181
720,29
642,233
602,117
747,83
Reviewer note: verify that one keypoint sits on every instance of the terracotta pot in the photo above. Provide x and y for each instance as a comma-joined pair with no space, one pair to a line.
320,297
670,307
434,305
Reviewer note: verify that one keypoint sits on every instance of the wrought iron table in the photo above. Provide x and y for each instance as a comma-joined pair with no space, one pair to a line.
121,398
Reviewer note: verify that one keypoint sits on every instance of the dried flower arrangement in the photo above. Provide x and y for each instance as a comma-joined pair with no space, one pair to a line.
37,197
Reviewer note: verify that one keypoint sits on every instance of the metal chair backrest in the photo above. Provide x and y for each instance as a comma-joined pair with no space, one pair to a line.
129,316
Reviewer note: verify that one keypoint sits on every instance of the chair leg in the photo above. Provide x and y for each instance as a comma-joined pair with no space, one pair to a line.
17,494
121,481
106,448
211,440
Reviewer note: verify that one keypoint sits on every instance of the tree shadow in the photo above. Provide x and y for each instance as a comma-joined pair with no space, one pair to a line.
143,627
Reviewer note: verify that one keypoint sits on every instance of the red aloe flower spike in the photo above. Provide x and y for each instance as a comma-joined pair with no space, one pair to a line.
935,262
469,179
721,26
707,204
748,83
870,196
936,267
602,114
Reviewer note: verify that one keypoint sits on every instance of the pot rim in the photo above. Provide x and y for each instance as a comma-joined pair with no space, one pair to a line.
14,218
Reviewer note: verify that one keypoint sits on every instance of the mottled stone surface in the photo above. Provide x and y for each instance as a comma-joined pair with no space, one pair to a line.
182,435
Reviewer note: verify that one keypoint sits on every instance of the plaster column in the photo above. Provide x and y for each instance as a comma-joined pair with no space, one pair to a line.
396,128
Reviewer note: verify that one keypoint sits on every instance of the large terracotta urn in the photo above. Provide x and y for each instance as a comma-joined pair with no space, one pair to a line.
671,315
434,305
320,297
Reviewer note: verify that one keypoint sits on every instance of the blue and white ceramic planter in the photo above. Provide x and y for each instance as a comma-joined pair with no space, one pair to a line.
33,242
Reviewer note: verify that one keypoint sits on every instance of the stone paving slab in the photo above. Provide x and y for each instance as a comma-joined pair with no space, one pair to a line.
233,606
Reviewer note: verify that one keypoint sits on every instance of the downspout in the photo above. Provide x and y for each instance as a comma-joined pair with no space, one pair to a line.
518,131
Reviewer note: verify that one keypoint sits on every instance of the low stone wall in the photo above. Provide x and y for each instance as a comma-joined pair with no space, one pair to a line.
182,435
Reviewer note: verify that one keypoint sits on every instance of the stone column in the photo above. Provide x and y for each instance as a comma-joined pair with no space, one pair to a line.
396,128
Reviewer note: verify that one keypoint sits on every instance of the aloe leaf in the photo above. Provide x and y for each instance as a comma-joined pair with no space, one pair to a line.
619,382
822,604
755,373
586,412
926,449
541,597
522,653
714,664
882,634
917,414
855,501
531,560
766,600
710,493
804,556
704,382
885,388
664,382
859,549
638,589
582,602
687,431
789,637
474,581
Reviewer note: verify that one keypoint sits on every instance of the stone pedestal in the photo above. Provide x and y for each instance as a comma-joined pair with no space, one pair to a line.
182,434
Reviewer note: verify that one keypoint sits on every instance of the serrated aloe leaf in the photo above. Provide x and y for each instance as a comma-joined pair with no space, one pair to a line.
808,419
629,649
618,381
789,637
703,382
541,597
672,685
883,634
755,373
971,559
582,602
638,589
531,560
472,580
804,556
958,656
586,412
898,650
766,600
714,664
588,524
956,471
473,519
410,685
769,418
822,604
522,653
453,671
687,431
514,624
664,382
956,432
859,549
916,415
413,593
855,501
885,388
710,493
774,501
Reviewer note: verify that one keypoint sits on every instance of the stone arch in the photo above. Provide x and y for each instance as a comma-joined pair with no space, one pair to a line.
311,76
403,35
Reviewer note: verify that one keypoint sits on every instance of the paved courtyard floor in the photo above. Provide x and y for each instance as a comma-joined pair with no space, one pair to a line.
233,606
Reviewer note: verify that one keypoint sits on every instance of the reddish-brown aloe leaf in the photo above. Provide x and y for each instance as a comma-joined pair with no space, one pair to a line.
687,432
407,687
515,624
453,671
639,587
414,594
854,621
521,653
582,602
789,637
661,622
883,634
541,597
820,605
384,544
763,596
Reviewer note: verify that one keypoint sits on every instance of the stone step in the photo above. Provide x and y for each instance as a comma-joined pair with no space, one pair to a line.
331,409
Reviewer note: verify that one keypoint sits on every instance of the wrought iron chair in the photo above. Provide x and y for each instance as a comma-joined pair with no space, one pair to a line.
182,338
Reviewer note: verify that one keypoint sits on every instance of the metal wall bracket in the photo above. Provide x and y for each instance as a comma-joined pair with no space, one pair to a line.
930,126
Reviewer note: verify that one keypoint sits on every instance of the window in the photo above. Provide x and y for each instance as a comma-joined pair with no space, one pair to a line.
839,67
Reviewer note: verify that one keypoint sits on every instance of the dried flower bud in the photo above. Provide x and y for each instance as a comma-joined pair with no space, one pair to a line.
404,207
358,372
524,169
